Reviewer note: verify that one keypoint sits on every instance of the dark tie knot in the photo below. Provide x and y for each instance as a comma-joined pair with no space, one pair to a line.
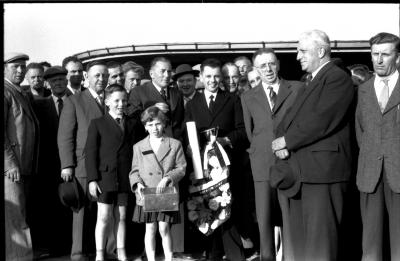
163,94
118,120
308,79
211,97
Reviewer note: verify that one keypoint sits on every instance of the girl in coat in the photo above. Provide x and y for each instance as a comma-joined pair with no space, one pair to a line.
158,162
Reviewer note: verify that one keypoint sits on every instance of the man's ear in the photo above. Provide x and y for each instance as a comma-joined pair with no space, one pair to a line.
321,52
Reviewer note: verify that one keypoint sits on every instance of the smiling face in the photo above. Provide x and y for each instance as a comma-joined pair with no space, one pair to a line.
15,71
98,78
231,78
268,67
117,103
211,78
186,84
385,58
308,54
155,128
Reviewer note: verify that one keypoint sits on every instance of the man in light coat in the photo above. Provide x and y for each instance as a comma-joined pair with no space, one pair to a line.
21,136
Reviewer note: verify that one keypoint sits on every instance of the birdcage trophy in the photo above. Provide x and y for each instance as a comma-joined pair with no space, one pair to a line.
209,201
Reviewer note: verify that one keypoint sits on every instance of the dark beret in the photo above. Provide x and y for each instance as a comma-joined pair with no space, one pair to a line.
54,71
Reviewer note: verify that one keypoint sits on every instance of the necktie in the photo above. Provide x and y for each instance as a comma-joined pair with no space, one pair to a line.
308,79
120,123
99,100
384,96
272,96
211,104
60,105
163,94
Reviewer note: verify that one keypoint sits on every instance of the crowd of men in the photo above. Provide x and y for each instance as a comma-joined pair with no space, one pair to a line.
299,150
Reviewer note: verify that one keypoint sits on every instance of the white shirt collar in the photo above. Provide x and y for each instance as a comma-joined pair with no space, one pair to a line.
55,98
275,86
379,84
207,94
319,69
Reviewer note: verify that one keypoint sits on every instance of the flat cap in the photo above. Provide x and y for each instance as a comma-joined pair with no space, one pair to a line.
54,71
184,69
14,56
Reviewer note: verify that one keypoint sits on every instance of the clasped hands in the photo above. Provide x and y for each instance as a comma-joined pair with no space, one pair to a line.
160,187
279,148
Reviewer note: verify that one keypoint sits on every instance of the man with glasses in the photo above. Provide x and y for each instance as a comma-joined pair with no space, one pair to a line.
263,108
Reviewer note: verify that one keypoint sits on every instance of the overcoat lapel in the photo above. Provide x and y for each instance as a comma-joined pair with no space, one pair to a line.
91,109
23,100
283,93
305,93
261,97
219,104
150,157
394,99
163,150
369,93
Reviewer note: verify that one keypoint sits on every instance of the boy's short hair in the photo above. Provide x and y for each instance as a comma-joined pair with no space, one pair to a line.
114,88
152,113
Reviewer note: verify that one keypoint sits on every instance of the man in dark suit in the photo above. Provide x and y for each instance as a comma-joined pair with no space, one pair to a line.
74,68
225,113
159,90
49,216
314,138
263,109
78,111
378,135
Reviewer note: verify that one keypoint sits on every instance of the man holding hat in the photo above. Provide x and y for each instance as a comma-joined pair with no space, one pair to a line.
21,132
185,78
78,110
50,215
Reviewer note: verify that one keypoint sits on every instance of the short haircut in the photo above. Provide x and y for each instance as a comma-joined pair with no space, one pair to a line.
70,59
210,62
385,38
152,113
242,58
113,88
45,64
113,64
262,51
320,38
226,66
158,59
132,66
93,63
34,66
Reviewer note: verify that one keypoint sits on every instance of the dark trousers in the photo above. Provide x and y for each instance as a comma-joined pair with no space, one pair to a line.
311,222
264,209
225,239
374,208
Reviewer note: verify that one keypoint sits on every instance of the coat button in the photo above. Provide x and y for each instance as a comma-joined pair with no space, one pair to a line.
151,174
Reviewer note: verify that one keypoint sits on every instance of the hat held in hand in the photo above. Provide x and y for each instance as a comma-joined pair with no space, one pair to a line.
71,195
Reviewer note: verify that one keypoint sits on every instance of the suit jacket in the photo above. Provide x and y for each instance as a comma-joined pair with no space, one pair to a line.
79,109
260,123
378,136
227,115
49,161
108,152
21,131
316,127
149,167
146,95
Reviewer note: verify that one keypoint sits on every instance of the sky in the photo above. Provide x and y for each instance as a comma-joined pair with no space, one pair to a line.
48,31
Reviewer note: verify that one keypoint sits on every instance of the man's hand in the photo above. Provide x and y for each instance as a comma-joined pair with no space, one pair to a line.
282,154
278,144
94,189
13,174
67,173
162,184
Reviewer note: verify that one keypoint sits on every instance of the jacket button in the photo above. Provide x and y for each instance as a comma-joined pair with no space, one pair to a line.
150,174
